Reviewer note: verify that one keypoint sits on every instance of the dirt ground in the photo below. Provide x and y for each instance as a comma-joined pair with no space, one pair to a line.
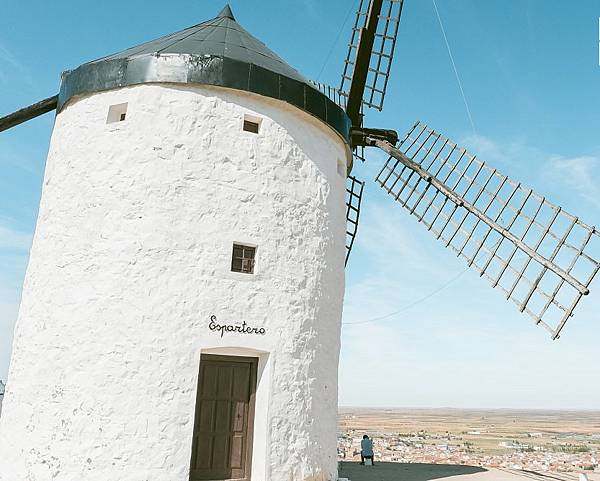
427,472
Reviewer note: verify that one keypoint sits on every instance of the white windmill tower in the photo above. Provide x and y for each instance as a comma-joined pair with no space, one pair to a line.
181,310
192,222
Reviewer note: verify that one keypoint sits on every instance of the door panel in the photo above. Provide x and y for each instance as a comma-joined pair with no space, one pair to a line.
224,382
206,415
241,381
221,448
222,420
203,452
220,452
239,416
237,454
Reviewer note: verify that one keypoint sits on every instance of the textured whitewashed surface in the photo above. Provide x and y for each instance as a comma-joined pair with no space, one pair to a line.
132,255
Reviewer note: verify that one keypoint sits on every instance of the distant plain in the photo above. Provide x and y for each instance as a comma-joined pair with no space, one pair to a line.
484,429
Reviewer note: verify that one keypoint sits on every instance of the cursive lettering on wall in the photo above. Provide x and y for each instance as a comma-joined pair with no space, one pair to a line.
242,328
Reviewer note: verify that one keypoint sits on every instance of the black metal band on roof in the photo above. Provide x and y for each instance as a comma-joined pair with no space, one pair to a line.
114,73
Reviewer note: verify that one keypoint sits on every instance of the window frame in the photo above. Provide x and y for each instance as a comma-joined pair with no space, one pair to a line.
253,123
243,262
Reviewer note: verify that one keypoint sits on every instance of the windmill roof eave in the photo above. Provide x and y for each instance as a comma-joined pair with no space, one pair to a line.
202,70
217,52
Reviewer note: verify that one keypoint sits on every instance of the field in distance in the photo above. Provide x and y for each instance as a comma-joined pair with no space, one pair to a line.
516,439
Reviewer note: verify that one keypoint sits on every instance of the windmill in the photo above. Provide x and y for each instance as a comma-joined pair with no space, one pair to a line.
533,251
181,312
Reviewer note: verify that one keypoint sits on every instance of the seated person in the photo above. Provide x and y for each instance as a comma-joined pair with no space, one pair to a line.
366,450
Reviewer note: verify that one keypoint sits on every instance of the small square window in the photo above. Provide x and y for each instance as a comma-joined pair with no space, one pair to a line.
116,113
242,259
251,124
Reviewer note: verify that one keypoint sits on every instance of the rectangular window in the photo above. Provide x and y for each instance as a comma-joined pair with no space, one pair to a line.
243,258
116,113
251,124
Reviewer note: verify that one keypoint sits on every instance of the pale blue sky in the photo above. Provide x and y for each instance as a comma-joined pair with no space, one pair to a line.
530,74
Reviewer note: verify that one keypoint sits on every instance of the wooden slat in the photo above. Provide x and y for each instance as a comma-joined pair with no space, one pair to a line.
28,113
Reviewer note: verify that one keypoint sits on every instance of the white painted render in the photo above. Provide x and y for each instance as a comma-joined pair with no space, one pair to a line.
131,256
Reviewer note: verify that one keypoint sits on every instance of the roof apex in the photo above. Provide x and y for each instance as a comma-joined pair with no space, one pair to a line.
217,52
226,13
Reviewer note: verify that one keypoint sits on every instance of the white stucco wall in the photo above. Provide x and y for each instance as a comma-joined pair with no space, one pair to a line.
132,255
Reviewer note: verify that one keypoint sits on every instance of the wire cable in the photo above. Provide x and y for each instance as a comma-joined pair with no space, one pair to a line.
337,38
462,92
422,299
411,304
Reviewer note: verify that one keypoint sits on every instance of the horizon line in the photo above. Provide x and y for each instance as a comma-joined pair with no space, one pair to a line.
570,409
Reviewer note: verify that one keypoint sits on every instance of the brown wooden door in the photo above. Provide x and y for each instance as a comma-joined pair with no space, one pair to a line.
222,444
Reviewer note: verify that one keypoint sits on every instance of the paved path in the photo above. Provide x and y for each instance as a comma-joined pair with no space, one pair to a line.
443,472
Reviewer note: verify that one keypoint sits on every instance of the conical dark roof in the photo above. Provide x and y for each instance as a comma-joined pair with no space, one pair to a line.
217,52
223,37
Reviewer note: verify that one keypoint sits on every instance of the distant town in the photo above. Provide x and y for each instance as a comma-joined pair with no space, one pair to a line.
518,440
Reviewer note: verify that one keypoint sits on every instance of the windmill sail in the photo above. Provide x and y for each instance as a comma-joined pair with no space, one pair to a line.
354,191
542,258
370,53
28,113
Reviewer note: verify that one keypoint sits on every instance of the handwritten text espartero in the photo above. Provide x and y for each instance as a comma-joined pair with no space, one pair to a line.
242,328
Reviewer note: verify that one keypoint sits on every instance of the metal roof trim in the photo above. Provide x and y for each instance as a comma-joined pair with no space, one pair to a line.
220,71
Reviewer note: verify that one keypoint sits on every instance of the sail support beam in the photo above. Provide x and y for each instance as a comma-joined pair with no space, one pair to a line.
461,202
28,113
539,256
363,59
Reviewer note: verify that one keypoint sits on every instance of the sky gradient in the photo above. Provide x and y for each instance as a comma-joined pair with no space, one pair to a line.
530,74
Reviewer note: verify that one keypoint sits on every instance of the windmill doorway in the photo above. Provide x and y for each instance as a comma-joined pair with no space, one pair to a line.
224,419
